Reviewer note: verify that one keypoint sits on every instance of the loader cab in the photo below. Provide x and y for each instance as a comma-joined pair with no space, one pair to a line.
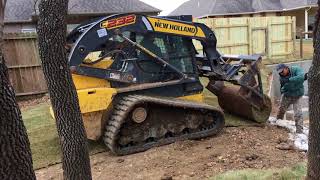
173,49
176,50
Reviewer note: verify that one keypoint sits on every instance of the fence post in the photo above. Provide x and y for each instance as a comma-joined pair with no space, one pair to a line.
250,45
301,45
294,33
269,37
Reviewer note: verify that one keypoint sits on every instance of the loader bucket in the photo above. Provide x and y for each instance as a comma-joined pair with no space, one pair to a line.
232,101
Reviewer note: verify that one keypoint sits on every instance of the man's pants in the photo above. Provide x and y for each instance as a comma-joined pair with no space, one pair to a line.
286,101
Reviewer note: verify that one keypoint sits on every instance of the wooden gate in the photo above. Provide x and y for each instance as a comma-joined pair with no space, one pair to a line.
23,61
273,37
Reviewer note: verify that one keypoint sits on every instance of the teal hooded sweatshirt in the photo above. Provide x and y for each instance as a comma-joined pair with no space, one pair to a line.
294,88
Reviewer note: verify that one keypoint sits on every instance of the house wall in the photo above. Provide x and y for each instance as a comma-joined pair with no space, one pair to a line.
18,27
268,14
299,14
300,17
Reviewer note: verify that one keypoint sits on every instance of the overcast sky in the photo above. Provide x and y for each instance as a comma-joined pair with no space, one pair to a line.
167,6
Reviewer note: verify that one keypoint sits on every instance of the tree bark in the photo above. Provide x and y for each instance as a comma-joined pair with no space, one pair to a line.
15,152
64,100
314,108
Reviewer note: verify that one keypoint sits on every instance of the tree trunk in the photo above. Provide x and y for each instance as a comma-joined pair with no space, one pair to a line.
15,152
52,40
314,110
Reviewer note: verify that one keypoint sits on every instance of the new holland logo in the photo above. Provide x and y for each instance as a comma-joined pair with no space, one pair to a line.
173,27
118,22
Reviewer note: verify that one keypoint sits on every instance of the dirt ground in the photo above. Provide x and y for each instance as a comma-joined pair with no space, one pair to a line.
234,149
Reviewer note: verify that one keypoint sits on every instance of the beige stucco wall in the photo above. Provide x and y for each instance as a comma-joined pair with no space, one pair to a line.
247,15
300,17
264,14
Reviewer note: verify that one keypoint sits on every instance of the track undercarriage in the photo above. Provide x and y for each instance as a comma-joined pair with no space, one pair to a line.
140,122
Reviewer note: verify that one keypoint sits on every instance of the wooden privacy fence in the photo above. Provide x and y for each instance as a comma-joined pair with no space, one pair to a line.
23,61
273,37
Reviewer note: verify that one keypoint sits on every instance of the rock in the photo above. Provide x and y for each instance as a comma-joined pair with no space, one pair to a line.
281,140
221,160
215,155
251,157
210,164
208,147
120,160
166,177
285,146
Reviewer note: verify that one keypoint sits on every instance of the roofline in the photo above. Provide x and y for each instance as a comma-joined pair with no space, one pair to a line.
34,17
257,12
117,12
155,11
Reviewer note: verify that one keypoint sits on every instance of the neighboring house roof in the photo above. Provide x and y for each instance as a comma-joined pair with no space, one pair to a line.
108,6
18,10
203,8
22,10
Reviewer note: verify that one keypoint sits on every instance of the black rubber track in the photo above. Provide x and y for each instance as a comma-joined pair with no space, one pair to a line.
126,104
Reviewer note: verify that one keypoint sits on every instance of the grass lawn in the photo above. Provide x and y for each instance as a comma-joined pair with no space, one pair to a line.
297,172
43,137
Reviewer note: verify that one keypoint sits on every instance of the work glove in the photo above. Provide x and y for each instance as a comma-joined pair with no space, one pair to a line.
283,81
306,76
282,90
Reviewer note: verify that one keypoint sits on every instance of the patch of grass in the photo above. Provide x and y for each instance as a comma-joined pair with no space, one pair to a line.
44,139
43,136
296,172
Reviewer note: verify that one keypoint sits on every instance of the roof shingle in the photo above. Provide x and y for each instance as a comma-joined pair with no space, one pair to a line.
22,10
201,8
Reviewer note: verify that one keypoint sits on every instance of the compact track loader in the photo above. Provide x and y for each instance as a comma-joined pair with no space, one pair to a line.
138,81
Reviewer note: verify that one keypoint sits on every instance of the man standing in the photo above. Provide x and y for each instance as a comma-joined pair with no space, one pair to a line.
292,89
